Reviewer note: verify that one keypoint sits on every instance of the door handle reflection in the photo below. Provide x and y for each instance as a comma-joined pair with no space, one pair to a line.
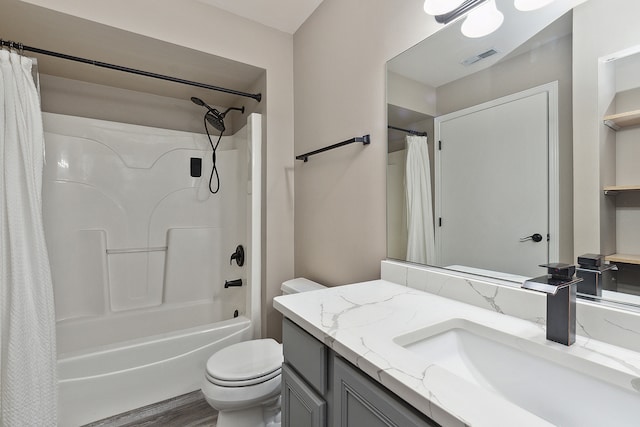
535,237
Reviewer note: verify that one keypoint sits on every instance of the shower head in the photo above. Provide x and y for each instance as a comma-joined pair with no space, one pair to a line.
213,116
201,103
215,119
198,101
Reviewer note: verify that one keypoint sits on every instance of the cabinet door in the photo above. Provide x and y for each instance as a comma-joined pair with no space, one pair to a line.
360,402
301,405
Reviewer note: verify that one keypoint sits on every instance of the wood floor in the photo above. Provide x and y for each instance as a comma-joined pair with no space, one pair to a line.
189,410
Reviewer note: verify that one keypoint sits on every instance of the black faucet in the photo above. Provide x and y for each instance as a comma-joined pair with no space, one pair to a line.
560,287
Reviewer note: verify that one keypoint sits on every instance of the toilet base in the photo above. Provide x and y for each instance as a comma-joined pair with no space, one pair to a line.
252,417
265,415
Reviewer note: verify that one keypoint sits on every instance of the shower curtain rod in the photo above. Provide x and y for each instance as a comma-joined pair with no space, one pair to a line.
412,132
21,47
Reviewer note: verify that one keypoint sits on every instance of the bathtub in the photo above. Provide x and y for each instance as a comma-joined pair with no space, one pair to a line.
108,380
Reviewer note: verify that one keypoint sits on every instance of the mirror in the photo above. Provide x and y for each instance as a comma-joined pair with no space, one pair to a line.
522,168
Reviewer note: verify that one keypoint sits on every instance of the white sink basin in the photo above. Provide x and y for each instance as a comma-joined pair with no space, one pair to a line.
538,378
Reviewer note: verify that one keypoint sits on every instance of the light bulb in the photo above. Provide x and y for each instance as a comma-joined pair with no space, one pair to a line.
483,20
440,7
527,5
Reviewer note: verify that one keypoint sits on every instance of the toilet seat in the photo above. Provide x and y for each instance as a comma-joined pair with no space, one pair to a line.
235,398
243,383
245,364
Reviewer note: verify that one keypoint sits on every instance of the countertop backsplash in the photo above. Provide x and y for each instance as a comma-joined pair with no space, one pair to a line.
594,320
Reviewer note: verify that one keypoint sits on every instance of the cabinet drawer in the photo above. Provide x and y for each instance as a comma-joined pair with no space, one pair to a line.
306,355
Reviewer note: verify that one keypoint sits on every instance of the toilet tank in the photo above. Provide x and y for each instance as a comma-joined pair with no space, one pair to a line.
298,285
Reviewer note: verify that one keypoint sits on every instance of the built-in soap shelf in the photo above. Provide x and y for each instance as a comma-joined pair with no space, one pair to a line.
623,120
623,258
617,122
612,190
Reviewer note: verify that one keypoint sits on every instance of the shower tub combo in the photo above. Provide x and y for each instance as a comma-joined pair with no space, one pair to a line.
140,254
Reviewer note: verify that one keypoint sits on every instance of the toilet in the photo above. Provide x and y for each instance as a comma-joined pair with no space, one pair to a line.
243,381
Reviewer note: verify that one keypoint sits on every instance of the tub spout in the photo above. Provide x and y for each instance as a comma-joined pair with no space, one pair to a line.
232,283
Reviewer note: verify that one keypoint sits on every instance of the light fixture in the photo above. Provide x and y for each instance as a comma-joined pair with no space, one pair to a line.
482,16
527,5
483,20
440,7
465,7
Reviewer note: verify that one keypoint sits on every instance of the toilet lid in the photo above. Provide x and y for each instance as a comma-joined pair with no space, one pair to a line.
246,362
244,383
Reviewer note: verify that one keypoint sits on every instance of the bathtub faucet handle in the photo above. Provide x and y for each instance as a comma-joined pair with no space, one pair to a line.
238,255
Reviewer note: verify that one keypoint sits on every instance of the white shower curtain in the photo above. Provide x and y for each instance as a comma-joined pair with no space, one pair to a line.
420,241
28,381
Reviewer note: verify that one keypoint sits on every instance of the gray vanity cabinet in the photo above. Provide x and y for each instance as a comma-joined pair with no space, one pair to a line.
360,402
321,389
304,378
301,405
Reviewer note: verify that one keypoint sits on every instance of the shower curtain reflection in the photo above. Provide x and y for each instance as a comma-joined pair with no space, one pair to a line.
420,240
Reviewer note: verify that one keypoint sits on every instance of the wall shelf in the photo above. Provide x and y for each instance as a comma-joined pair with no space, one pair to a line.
623,120
624,258
615,189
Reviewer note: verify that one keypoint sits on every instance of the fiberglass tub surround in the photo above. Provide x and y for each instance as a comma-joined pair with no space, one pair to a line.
129,230
140,252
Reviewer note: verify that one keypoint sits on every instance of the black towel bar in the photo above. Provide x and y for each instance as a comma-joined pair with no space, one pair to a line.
366,139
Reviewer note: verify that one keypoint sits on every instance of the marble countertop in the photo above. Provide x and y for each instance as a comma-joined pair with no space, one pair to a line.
361,321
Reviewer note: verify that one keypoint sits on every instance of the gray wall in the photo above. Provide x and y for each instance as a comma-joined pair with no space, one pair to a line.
339,66
77,98
82,99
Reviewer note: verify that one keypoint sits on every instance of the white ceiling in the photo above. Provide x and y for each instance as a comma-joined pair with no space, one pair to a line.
283,15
